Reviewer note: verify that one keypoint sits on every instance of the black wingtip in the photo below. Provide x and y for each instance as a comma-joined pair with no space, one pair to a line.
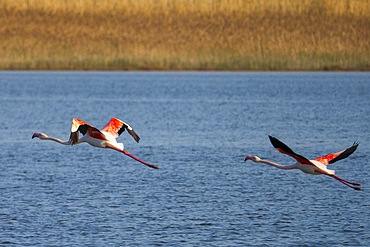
276,143
134,135
272,139
347,152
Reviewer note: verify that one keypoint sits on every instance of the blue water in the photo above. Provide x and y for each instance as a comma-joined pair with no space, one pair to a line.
198,128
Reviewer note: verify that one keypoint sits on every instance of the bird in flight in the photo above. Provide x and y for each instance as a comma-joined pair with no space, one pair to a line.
104,138
316,166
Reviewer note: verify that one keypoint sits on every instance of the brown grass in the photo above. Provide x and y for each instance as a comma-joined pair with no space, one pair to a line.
209,34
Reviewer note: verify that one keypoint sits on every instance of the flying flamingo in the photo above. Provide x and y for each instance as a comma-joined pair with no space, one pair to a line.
104,138
314,167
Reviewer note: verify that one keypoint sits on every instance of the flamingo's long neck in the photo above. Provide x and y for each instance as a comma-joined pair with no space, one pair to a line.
57,140
278,165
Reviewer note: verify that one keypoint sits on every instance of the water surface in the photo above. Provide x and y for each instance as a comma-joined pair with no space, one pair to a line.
198,128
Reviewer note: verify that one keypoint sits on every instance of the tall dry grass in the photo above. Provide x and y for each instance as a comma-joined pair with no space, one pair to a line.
194,34
337,7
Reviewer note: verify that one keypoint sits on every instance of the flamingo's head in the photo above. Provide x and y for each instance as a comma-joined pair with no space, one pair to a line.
39,135
253,158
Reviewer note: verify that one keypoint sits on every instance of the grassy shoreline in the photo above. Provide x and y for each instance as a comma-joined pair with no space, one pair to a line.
262,35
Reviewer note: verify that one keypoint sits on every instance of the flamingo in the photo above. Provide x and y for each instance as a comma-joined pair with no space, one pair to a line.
104,138
316,166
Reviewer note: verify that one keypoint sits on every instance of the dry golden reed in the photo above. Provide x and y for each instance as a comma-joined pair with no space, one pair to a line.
337,7
179,34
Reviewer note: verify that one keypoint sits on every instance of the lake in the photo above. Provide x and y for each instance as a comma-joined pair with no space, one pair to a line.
197,127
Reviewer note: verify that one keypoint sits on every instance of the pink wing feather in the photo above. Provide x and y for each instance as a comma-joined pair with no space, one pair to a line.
113,127
116,127
334,157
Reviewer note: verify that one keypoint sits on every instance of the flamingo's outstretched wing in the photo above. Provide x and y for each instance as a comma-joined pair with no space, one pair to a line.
83,127
116,127
282,148
332,158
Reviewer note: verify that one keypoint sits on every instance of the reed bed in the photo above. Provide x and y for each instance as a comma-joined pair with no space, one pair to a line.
185,35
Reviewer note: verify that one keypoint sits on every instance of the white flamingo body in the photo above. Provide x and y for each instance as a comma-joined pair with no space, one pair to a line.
101,143
104,138
317,166
313,169
316,169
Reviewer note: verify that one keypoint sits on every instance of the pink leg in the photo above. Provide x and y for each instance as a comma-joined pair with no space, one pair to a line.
349,184
134,157
137,159
345,182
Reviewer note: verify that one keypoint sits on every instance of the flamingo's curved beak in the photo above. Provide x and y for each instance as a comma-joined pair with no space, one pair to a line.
37,134
248,158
